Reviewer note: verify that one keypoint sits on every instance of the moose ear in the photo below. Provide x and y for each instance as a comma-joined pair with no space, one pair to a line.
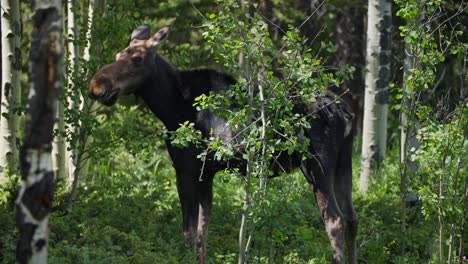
160,36
139,33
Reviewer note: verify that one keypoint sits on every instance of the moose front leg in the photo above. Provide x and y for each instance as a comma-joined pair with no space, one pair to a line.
188,197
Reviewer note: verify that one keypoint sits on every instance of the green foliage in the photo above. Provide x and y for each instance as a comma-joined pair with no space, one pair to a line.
440,176
79,116
431,40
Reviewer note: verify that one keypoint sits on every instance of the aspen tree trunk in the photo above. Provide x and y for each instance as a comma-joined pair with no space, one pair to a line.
98,6
11,87
64,156
244,227
61,145
409,127
1,84
378,53
34,200
243,238
78,167
72,151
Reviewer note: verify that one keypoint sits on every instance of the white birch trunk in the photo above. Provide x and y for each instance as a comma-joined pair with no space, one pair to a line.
72,49
11,86
5,135
59,149
376,94
59,145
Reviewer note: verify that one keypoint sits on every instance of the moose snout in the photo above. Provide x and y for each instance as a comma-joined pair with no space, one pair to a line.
98,88
103,90
91,94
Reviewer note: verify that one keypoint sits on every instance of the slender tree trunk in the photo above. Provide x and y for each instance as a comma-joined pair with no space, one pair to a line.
99,6
1,84
11,86
349,42
440,217
5,136
59,145
79,165
243,238
34,200
243,254
461,249
408,132
376,94
72,151
69,163
62,154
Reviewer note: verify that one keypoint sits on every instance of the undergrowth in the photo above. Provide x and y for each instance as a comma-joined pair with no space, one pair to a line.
128,214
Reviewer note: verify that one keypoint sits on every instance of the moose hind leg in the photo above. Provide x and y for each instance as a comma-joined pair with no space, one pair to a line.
334,223
343,192
320,177
206,198
351,224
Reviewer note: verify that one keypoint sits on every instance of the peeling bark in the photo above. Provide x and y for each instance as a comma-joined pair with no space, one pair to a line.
35,196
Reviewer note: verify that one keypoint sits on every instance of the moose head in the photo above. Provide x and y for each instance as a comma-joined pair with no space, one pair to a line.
132,66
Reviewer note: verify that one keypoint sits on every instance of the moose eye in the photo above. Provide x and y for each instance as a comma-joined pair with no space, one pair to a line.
137,60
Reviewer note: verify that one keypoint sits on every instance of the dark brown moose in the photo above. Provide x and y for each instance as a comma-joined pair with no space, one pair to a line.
169,93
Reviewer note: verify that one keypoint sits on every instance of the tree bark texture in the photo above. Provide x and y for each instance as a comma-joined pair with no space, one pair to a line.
350,50
1,86
408,133
34,200
11,86
378,51
408,120
62,154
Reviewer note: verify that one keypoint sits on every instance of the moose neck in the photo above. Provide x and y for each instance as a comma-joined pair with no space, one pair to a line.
162,95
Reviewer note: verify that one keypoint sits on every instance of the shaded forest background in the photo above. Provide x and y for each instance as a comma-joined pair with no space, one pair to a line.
116,199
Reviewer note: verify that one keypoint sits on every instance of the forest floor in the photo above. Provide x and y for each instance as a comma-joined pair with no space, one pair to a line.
134,217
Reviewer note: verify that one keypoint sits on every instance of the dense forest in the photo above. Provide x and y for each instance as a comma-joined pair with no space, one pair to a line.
91,176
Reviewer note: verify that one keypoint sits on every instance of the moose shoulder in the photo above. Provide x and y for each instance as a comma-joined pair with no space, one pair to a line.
169,93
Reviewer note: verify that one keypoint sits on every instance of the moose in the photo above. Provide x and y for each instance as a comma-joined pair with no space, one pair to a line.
170,92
